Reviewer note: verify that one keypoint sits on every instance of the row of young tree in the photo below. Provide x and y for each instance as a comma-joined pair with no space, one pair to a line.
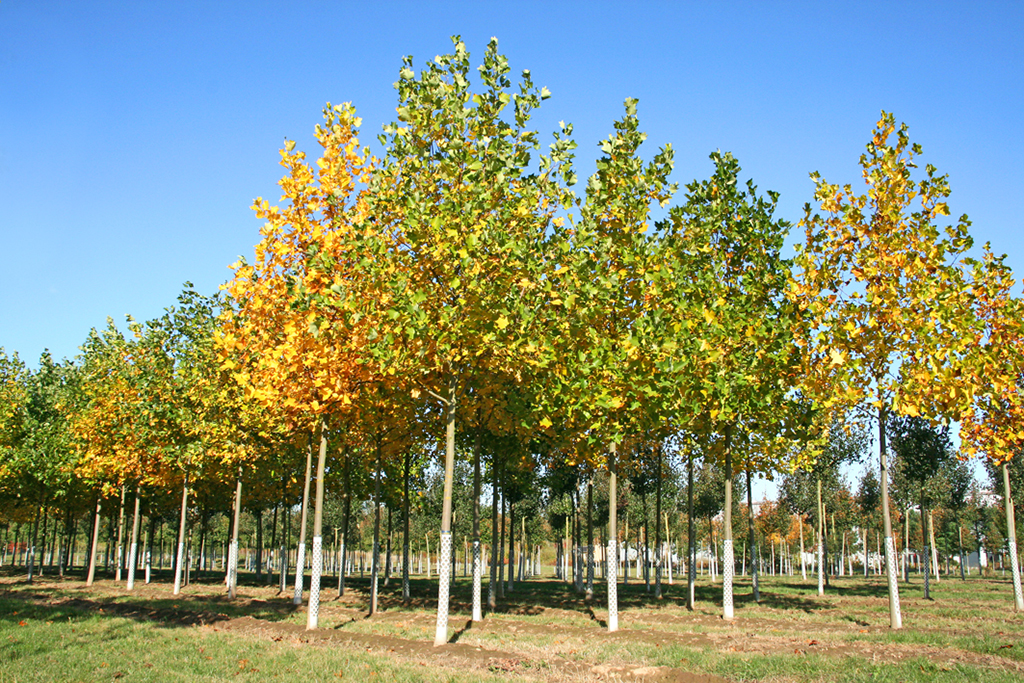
459,284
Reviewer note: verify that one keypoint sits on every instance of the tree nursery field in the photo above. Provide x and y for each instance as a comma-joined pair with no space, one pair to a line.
53,630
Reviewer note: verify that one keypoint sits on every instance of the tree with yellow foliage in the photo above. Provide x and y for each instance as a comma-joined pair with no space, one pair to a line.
877,284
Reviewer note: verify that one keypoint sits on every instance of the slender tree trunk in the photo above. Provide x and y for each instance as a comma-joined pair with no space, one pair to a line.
613,546
906,546
727,562
803,565
313,613
444,587
181,536
374,557
924,545
35,535
405,524
753,537
511,546
273,545
233,547
346,520
1011,536
120,537
895,618
590,538
387,552
478,614
646,542
501,544
133,553
300,557
259,544
150,533
821,542
657,529
94,542
963,560
286,514
492,586
691,537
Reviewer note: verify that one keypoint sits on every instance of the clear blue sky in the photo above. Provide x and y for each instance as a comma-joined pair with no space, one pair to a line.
134,136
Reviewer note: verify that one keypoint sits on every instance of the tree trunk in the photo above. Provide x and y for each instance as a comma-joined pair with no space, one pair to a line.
405,523
753,538
691,537
501,542
259,544
232,572
313,612
134,551
590,538
94,542
727,561
375,553
927,550
300,557
274,554
346,519
150,533
1011,536
895,618
511,546
477,568
181,536
286,514
492,586
963,560
120,537
444,587
387,552
821,542
657,529
613,549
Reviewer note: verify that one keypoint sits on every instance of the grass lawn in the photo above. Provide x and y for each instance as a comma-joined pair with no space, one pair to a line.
59,630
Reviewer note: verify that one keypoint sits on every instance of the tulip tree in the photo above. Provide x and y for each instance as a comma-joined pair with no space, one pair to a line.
992,423
729,358
283,341
456,214
878,283
598,296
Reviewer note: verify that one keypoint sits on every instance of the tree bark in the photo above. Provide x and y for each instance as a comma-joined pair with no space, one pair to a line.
233,548
753,537
134,551
590,538
613,548
300,557
895,618
375,552
727,561
405,524
94,542
477,568
181,536
313,613
691,537
1011,535
444,587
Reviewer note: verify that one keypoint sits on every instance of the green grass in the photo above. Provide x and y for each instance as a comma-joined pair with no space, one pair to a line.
55,631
